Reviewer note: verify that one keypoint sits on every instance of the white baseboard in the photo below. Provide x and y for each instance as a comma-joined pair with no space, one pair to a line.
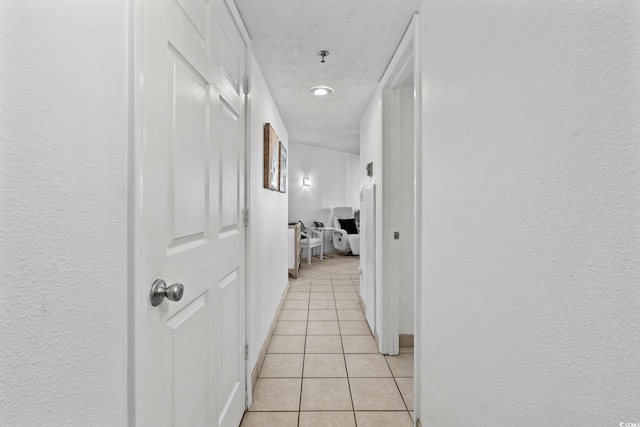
267,340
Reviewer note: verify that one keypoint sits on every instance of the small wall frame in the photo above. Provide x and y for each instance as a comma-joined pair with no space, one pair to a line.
271,159
283,168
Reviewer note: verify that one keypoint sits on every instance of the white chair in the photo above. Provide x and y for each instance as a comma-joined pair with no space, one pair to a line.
310,239
342,240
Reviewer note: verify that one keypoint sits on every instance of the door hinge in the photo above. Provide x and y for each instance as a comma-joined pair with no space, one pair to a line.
246,217
246,352
247,88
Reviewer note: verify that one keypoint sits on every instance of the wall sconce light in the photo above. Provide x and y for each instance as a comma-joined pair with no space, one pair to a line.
305,181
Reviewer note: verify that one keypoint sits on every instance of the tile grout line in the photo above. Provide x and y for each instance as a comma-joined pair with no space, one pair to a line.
304,353
344,357
398,387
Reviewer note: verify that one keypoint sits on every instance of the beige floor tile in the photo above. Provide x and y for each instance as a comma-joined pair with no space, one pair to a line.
300,288
346,304
406,350
294,304
354,327
406,390
276,394
341,282
321,296
282,366
344,288
383,419
299,281
401,365
325,394
367,365
340,277
327,419
322,315
313,274
321,288
324,366
270,419
345,272
287,344
290,327
346,296
321,305
297,295
359,344
371,394
293,315
355,314
323,344
413,416
321,282
323,328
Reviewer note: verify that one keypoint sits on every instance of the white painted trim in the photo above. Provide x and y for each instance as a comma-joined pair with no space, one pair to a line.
133,210
238,20
399,68
247,206
135,252
405,60
417,275
391,74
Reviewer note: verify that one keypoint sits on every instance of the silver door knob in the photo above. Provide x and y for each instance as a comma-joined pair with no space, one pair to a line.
160,291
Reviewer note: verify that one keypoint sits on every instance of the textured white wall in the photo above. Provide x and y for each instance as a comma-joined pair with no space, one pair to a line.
63,213
268,229
531,209
334,180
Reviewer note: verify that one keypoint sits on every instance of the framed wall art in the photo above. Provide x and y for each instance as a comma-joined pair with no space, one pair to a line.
271,159
283,168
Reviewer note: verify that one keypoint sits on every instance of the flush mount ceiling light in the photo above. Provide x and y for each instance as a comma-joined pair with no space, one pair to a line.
321,90
305,181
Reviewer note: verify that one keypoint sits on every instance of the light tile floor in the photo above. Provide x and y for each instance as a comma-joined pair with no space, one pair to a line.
323,367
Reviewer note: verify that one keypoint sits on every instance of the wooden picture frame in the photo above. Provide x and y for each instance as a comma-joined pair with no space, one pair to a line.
271,159
283,168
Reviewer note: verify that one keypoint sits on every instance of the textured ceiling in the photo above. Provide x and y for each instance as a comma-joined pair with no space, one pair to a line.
361,36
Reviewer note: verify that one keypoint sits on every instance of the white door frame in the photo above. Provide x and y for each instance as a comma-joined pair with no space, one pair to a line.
402,64
405,60
247,196
247,188
136,341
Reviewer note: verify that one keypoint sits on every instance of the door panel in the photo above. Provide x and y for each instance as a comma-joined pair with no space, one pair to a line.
230,185
232,390
196,11
190,328
189,93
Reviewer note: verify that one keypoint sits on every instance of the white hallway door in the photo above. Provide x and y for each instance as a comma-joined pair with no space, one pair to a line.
189,201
